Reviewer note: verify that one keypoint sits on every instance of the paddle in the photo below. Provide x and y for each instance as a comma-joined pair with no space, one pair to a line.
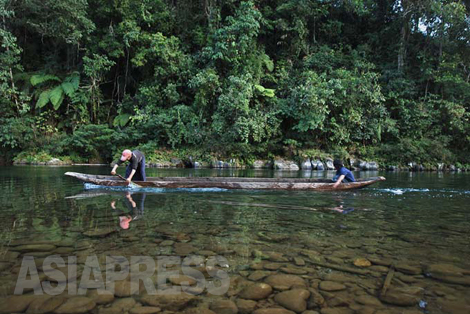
132,184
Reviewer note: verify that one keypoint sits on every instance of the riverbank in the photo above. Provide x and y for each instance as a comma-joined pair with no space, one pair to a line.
179,159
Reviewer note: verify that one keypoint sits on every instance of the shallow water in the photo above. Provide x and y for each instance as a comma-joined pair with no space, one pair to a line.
419,222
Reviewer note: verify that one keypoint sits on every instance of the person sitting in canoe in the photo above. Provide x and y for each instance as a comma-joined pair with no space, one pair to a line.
342,174
136,167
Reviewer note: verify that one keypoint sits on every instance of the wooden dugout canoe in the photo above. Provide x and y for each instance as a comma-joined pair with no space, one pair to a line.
228,182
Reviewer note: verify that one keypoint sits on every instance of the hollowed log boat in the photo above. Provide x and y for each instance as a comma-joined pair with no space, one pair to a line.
228,182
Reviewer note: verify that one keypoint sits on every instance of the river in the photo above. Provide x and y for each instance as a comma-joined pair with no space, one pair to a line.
249,251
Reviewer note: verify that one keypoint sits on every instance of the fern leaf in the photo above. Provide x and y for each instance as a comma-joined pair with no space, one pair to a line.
69,88
121,120
74,80
41,78
43,99
56,97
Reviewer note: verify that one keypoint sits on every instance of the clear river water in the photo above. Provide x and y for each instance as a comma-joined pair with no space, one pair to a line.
399,246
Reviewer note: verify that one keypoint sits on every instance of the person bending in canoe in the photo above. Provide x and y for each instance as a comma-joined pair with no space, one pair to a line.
342,174
136,167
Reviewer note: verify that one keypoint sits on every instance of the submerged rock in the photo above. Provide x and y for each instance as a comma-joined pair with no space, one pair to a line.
182,280
99,233
256,291
76,305
35,248
362,262
46,304
246,306
224,307
406,296
449,273
336,310
368,300
331,286
100,296
16,304
284,280
295,300
170,302
145,310
273,311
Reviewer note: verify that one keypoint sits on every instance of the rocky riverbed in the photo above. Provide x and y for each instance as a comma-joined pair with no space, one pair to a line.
271,273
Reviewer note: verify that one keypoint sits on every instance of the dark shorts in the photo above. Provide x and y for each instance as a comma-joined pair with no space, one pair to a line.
139,173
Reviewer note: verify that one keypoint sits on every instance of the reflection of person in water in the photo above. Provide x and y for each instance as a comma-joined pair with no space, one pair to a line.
340,207
135,209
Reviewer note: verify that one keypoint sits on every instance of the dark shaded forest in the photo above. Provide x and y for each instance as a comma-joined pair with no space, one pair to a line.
382,79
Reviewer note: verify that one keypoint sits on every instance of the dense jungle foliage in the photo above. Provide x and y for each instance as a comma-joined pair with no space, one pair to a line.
382,79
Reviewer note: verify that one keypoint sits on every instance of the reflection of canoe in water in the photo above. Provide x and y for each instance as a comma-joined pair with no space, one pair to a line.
228,182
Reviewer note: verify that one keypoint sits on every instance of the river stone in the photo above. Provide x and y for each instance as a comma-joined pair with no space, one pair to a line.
145,310
378,268
198,310
299,261
273,266
52,273
408,269
167,243
35,248
368,300
336,310
316,299
170,302
362,262
100,296
293,271
46,304
184,249
99,233
245,306
380,261
306,164
331,286
64,250
124,304
224,307
256,291
444,269
454,307
284,280
294,300
4,266
318,165
398,297
125,288
66,242
329,164
16,304
276,256
9,256
258,275
76,305
334,260
273,311
183,280
337,276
